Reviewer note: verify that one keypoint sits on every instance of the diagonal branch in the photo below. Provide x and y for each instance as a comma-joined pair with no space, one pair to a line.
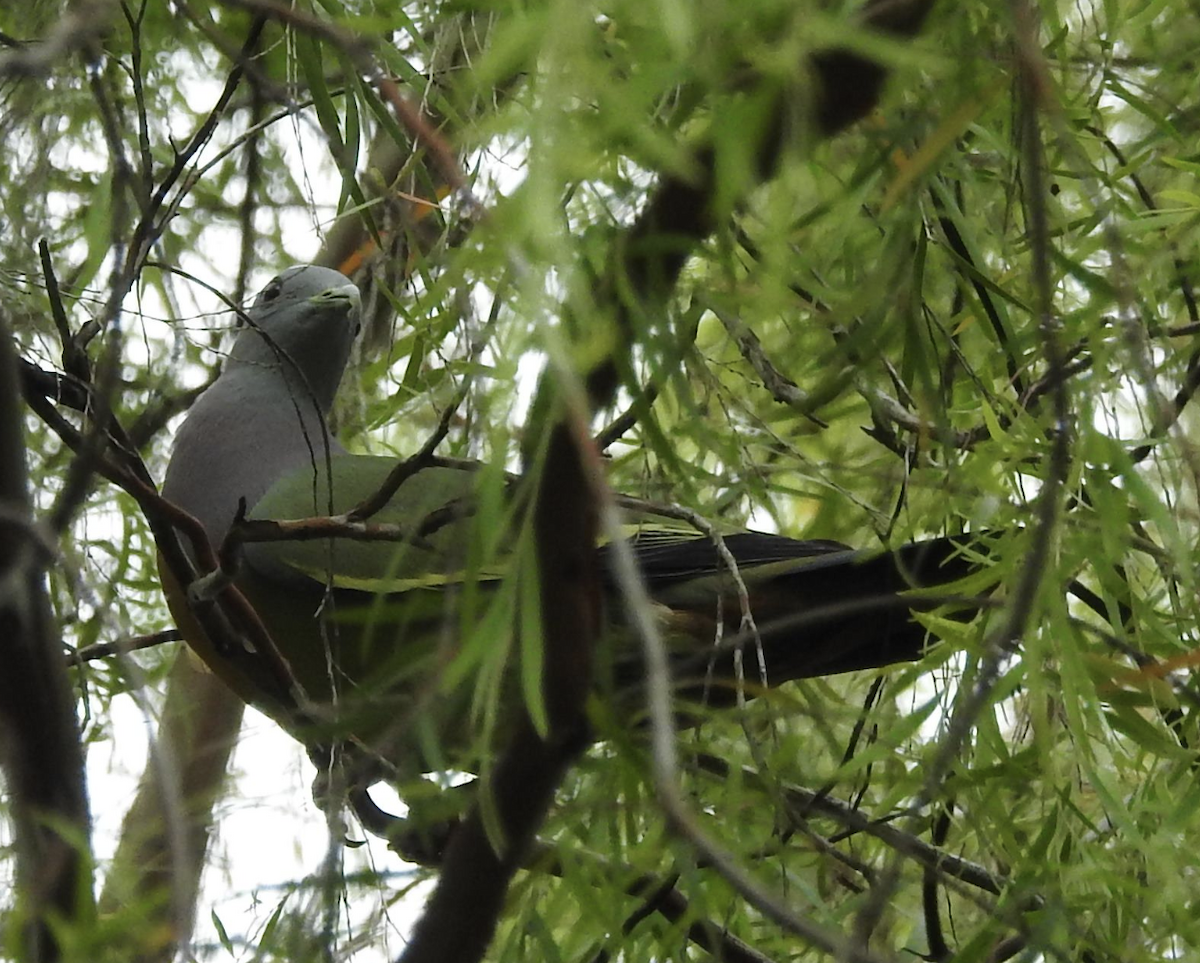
461,916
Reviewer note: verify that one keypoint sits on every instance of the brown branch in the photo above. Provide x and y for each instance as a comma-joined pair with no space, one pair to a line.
671,904
461,916
151,225
135,644
229,625
106,650
615,429
807,801
939,950
39,735
680,212
426,846
81,471
424,457
165,834
662,897
782,388
249,204
137,75
970,272
360,50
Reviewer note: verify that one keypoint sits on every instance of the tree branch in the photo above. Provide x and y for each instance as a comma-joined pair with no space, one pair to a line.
39,734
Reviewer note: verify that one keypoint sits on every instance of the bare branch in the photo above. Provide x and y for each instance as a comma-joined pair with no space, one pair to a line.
39,735
105,650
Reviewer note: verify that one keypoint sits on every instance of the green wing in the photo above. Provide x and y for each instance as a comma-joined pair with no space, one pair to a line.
452,525
447,527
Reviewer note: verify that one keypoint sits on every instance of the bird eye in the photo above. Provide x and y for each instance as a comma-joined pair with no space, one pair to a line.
270,292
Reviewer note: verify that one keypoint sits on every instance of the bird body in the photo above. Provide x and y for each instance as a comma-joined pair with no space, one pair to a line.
389,638
265,415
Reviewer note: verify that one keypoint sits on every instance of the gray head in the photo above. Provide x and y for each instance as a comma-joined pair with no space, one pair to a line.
303,325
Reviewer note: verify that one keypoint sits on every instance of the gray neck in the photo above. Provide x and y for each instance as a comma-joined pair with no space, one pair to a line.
242,435
307,371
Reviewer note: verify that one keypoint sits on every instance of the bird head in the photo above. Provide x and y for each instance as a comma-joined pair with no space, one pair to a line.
304,324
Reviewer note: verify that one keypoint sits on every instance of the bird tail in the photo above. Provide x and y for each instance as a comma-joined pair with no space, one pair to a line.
809,608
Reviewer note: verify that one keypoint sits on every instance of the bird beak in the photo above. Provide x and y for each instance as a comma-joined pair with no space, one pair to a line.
346,293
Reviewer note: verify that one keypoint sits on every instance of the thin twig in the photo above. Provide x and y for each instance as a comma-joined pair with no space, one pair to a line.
906,844
105,650
1025,595
666,766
